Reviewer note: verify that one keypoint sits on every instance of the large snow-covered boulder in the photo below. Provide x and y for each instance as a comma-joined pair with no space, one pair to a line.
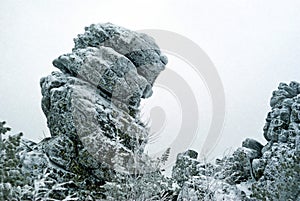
95,100
92,111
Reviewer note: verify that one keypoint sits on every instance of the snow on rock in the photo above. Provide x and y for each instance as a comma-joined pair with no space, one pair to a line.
139,48
95,101
95,151
92,111
254,171
278,170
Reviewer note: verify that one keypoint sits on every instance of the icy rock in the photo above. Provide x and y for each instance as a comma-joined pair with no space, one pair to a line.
272,171
113,73
96,97
258,167
139,48
279,177
206,181
278,170
283,136
77,109
92,111
252,144
185,167
236,168
60,150
34,162
284,91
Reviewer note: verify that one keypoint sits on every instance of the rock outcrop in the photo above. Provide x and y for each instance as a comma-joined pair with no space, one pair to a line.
94,102
278,170
254,171
92,110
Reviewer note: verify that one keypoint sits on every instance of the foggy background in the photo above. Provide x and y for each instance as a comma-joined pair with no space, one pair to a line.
253,44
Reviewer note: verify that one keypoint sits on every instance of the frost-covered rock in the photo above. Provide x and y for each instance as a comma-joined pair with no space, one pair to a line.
206,181
266,172
278,170
258,167
79,111
95,100
236,168
114,74
92,111
139,48
185,167
253,144
95,151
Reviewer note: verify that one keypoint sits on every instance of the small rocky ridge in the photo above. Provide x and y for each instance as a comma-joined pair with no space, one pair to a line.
254,171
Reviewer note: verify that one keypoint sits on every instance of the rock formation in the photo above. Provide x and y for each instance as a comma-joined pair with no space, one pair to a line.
92,110
95,101
97,141
277,171
254,171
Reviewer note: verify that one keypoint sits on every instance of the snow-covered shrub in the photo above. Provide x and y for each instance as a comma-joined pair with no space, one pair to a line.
12,179
148,183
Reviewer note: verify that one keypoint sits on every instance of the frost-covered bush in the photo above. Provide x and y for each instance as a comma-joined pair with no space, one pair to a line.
149,186
148,183
12,178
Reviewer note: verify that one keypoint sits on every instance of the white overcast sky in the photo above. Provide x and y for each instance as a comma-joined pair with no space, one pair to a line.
254,44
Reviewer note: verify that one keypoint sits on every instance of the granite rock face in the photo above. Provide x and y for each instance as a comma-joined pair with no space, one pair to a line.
254,171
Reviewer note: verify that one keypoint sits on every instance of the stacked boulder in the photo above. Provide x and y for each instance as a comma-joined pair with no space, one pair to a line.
94,102
92,107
